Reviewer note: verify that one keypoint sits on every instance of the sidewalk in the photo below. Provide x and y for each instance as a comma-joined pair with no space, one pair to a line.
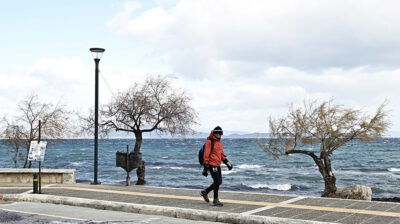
239,207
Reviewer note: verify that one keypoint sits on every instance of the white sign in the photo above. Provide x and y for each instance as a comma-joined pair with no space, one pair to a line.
37,151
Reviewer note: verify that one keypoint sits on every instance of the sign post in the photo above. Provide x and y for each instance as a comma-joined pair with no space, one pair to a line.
37,151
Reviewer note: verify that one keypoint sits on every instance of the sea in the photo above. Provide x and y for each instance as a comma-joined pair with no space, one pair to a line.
174,163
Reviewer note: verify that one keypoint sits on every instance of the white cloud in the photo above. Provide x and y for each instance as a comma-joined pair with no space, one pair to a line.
241,61
150,25
241,103
306,34
68,80
246,60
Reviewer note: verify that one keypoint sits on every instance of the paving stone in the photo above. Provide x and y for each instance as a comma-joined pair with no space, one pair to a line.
292,213
330,216
355,219
395,222
381,219
342,203
311,215
255,197
272,211
394,209
360,205
381,206
198,204
313,202
180,203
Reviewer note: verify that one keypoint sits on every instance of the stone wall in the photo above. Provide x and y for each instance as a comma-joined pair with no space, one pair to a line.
48,176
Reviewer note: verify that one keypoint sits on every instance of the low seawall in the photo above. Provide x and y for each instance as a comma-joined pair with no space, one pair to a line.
48,176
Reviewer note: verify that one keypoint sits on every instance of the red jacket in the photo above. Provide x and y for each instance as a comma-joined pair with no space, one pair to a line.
217,155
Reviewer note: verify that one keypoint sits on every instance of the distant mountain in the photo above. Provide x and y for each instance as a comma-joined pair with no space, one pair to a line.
227,134
249,135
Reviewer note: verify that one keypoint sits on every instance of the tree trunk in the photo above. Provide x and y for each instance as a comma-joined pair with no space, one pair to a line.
15,158
330,187
138,141
27,153
141,170
329,178
26,157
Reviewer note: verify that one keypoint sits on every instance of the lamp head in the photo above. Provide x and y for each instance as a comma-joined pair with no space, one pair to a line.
97,52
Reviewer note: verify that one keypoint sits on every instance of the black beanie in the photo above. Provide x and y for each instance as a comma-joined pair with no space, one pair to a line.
218,130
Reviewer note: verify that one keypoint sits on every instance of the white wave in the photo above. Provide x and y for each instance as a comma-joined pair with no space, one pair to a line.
164,157
76,163
279,187
155,167
246,166
394,169
177,168
227,172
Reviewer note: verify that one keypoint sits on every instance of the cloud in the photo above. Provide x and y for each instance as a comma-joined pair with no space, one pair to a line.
306,35
243,103
150,25
246,60
68,80
241,61
247,103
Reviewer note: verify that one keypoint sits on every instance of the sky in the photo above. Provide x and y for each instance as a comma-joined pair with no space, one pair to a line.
241,62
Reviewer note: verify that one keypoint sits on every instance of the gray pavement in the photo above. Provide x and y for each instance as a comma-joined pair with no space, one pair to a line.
30,212
239,207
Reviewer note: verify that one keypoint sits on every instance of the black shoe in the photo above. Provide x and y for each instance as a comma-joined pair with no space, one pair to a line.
204,194
216,202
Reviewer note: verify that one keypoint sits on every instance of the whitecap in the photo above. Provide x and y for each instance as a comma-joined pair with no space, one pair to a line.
76,163
155,167
164,157
246,166
394,169
227,172
177,168
279,187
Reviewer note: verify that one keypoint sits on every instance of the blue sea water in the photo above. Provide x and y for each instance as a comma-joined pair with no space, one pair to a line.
174,163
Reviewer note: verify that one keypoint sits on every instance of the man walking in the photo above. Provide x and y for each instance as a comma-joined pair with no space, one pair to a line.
213,156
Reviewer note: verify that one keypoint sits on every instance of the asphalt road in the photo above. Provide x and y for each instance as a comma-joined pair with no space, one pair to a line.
28,212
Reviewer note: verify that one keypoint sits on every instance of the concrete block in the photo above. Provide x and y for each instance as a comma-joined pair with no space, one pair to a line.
48,176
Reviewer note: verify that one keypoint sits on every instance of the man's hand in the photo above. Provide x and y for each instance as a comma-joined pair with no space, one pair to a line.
228,164
205,170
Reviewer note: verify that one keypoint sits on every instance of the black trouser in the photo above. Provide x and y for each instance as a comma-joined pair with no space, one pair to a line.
217,177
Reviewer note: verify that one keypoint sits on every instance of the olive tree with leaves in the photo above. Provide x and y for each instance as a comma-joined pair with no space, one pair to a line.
21,129
153,105
327,126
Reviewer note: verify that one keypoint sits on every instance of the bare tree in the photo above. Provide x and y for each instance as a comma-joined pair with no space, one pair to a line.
326,126
151,106
13,135
24,127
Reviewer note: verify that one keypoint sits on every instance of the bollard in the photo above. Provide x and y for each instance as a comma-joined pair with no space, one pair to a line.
35,183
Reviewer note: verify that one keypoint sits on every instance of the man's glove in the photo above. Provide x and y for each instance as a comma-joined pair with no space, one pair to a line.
228,164
205,170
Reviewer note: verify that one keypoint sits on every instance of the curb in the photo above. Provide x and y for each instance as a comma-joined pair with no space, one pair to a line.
182,213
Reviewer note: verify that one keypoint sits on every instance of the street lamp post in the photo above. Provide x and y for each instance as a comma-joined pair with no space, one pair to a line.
97,53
